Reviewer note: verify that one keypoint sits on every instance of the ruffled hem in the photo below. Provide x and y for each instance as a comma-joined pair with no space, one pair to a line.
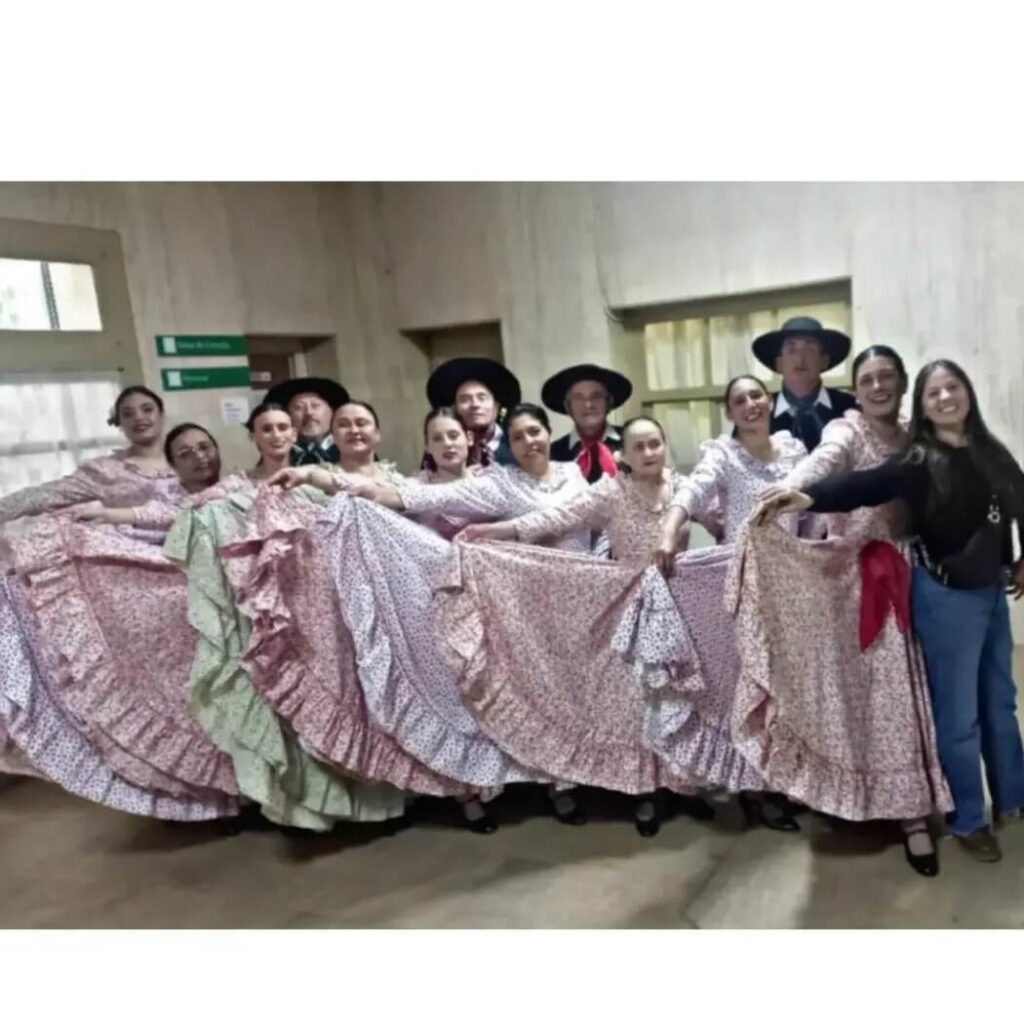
13,760
556,747
283,664
397,697
792,766
144,742
62,754
272,770
678,725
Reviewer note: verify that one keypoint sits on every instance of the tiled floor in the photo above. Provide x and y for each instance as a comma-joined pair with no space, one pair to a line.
68,863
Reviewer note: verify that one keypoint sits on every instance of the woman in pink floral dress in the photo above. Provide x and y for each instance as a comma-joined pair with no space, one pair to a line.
133,476
629,508
733,471
877,738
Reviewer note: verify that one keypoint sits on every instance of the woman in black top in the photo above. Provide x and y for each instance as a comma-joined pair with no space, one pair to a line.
965,493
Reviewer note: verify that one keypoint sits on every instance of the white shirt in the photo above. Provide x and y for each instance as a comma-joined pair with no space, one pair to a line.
782,406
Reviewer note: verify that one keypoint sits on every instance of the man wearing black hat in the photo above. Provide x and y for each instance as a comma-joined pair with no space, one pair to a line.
478,389
587,393
311,402
800,352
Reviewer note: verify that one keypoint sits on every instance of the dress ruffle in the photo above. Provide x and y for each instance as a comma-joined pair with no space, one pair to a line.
112,611
529,630
692,730
271,767
384,567
52,743
300,655
828,725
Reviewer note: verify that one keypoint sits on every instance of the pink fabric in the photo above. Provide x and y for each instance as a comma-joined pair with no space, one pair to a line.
445,525
551,692
51,741
728,479
301,656
848,444
692,728
846,732
112,479
112,612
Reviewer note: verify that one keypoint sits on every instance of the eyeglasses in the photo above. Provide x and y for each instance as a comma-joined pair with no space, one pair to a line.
198,451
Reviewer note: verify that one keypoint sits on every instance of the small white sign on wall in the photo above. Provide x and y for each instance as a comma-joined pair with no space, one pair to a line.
234,410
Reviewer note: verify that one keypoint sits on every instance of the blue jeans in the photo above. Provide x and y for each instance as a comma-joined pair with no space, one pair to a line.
965,635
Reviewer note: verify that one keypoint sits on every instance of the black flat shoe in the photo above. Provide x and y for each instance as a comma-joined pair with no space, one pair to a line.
695,807
575,815
780,820
485,825
926,864
648,827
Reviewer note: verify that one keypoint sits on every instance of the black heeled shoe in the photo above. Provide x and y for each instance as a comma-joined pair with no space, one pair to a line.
926,864
575,815
753,808
647,826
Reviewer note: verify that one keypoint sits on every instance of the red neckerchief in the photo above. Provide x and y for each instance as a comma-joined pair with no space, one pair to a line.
596,448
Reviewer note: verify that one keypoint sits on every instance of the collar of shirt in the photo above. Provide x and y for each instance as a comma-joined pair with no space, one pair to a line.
610,434
323,444
494,441
782,406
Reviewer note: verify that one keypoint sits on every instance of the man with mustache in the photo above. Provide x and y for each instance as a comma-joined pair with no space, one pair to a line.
587,393
310,402
800,352
479,389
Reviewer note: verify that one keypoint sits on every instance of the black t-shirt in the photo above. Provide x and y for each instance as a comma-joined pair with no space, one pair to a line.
946,527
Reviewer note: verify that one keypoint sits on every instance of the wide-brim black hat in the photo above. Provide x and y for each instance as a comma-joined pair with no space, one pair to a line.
835,343
451,375
329,390
555,388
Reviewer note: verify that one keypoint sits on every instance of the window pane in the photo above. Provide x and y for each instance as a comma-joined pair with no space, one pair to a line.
687,425
49,427
38,296
675,354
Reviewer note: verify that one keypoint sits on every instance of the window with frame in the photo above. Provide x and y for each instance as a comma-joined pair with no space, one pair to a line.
688,360
67,346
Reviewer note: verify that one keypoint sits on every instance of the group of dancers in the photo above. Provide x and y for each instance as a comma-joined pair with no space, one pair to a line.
322,638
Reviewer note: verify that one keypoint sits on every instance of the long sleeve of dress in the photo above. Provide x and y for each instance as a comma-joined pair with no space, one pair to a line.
698,491
832,457
74,489
867,488
475,499
155,515
590,510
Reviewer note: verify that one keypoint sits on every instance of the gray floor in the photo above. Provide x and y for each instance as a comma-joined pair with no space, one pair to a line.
68,863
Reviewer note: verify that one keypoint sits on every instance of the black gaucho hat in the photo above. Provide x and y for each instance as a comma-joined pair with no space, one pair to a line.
451,375
555,388
329,390
835,343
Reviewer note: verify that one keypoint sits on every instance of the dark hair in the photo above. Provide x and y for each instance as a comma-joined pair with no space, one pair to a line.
180,429
260,409
736,380
365,405
987,452
879,352
528,409
640,419
114,419
446,412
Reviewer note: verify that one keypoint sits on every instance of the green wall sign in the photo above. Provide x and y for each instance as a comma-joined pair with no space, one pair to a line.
211,377
201,345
